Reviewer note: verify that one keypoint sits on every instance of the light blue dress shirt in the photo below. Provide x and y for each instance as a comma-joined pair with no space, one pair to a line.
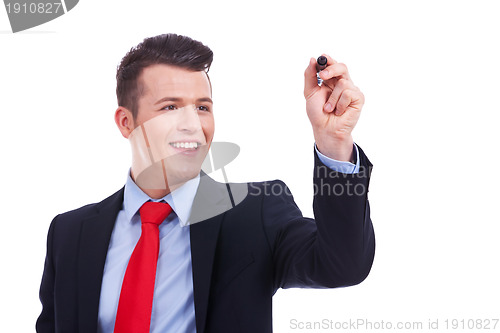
173,302
340,166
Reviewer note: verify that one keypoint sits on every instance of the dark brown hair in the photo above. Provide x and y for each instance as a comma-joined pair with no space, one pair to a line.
168,49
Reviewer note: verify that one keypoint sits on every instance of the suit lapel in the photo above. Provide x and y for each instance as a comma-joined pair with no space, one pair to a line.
211,201
94,241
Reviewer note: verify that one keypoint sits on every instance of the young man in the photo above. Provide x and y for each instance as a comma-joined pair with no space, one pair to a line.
215,253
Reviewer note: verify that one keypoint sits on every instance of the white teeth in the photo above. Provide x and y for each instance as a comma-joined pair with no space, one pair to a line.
188,145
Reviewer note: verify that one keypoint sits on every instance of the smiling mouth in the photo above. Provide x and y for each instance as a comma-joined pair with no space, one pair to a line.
186,145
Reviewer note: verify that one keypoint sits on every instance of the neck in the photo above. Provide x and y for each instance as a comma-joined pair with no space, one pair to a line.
155,194
158,193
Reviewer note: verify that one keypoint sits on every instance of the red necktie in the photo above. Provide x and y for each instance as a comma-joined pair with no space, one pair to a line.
136,297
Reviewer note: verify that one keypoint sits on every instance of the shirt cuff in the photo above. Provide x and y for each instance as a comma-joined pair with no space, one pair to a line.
340,166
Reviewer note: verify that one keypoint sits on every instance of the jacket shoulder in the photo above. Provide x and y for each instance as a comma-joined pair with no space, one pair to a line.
116,200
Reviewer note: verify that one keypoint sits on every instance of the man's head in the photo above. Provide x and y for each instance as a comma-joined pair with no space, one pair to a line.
165,109
166,49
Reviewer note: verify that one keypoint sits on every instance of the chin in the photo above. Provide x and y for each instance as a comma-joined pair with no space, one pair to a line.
178,176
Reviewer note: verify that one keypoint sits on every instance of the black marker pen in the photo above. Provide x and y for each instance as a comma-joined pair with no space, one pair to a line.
320,65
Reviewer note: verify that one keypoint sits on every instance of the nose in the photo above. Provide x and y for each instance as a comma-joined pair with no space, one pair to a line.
188,120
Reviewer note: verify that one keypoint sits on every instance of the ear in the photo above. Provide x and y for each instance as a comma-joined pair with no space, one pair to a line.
124,120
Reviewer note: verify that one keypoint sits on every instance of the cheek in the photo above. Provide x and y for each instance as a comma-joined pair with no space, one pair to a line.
208,125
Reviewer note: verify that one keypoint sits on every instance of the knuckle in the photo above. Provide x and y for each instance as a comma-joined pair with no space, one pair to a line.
349,93
343,82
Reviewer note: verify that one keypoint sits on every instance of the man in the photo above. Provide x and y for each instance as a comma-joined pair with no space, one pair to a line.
222,250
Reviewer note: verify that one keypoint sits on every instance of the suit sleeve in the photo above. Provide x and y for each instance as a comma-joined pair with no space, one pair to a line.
334,249
46,320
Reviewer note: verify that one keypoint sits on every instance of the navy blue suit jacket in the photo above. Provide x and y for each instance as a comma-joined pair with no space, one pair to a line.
240,257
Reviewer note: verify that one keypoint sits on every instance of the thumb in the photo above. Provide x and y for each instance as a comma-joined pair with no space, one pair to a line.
310,79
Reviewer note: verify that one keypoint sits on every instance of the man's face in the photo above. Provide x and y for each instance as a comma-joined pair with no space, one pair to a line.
175,124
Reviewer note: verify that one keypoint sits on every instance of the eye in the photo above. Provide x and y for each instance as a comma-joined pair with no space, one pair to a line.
203,108
169,107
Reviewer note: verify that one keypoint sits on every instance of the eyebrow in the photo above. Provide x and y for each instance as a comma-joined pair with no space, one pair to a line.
177,99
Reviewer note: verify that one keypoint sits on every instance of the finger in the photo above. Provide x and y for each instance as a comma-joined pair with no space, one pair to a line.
346,98
310,79
340,86
337,70
334,69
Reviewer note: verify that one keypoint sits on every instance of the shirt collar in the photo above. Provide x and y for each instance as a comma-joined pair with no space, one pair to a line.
181,199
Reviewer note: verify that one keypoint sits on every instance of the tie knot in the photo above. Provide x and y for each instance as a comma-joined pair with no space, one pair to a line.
154,212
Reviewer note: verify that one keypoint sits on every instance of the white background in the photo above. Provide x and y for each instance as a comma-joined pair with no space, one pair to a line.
430,73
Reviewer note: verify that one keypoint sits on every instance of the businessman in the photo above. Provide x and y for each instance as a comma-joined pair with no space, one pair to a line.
176,251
